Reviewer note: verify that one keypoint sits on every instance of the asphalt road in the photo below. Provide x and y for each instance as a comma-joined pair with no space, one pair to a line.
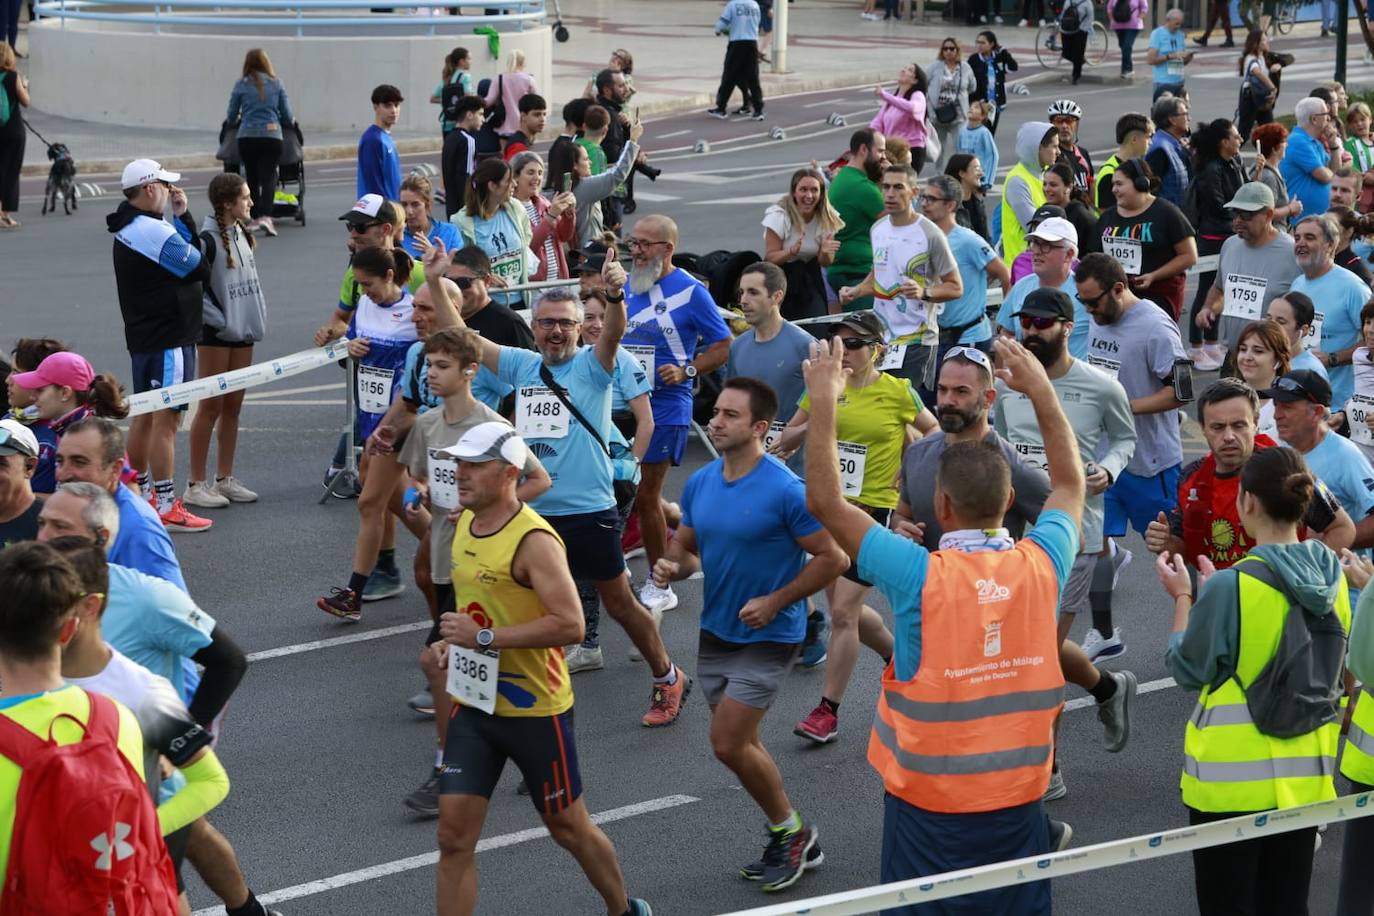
318,742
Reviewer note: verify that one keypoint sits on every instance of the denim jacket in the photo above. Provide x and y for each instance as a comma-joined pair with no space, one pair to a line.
259,116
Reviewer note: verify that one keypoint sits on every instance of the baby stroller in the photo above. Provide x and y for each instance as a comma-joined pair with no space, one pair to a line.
289,201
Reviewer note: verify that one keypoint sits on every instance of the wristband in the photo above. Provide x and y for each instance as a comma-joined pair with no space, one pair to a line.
617,299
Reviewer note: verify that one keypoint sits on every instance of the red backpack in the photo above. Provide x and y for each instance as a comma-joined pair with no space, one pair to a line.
86,839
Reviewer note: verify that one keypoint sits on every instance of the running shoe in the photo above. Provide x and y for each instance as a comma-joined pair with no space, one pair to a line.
784,858
1115,714
631,542
822,725
815,648
424,801
232,489
741,111
754,870
422,703
203,495
342,603
178,519
666,702
585,658
657,599
382,584
1056,789
269,228
1100,649
757,116
1061,835
639,907
348,488
718,113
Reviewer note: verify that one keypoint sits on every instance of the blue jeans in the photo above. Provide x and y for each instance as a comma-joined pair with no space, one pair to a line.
1125,40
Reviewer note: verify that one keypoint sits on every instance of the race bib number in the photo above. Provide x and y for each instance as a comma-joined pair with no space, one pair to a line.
374,389
472,677
1175,68
443,481
892,360
507,266
1110,366
1126,252
1032,454
539,414
774,433
645,357
1243,296
852,458
1312,340
1357,412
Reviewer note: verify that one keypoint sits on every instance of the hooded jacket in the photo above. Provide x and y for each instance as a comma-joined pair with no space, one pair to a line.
158,274
1211,642
1024,189
235,310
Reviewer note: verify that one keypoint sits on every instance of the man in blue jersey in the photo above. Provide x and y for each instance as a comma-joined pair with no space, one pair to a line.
674,316
745,526
379,166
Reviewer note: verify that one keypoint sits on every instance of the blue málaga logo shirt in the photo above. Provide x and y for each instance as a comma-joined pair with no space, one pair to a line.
677,317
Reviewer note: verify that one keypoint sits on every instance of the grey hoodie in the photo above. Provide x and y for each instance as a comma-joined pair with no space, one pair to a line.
233,308
1211,642
1018,195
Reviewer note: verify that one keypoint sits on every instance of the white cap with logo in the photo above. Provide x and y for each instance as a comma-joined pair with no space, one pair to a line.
141,171
491,441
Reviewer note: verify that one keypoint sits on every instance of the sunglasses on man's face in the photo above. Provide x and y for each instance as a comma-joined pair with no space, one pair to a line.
360,228
464,283
1039,322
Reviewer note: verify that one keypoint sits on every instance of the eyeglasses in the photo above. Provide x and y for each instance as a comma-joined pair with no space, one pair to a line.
948,48
1043,246
1039,322
1095,301
563,324
360,228
927,199
856,343
464,283
972,354
633,243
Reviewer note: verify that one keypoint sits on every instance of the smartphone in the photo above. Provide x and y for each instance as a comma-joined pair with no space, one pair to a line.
636,114
1183,379
567,182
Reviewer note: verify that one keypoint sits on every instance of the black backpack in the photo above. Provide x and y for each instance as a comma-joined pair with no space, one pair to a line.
1069,20
1299,690
449,97
1122,12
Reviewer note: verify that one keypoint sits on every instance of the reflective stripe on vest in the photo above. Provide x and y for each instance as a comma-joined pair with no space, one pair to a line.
959,764
1229,764
967,710
1357,760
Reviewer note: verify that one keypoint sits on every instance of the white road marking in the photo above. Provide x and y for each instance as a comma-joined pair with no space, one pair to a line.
278,392
292,403
823,103
365,636
693,177
1163,683
425,860
756,199
676,133
655,198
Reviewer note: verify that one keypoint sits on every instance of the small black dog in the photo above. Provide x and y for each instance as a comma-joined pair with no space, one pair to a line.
61,180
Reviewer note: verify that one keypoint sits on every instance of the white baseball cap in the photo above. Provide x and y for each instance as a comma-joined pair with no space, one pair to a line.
1055,229
17,439
141,171
490,441
368,209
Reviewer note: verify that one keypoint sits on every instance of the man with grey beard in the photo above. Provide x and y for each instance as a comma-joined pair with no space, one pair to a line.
675,332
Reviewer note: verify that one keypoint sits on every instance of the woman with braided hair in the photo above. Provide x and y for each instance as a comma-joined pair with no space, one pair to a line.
234,318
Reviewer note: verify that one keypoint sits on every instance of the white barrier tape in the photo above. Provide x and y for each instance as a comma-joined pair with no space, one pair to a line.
248,377
1072,861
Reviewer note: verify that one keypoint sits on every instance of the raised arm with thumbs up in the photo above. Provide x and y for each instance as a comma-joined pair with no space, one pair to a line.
1158,537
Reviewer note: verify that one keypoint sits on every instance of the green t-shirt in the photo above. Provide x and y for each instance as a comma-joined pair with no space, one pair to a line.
350,292
859,203
870,423
595,153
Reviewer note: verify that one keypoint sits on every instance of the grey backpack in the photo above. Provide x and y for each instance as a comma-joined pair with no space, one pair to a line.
1299,690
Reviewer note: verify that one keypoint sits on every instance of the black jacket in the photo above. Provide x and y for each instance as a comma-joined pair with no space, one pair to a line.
1002,61
1217,182
453,165
158,276
615,133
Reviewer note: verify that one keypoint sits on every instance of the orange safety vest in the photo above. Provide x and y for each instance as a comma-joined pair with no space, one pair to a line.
973,731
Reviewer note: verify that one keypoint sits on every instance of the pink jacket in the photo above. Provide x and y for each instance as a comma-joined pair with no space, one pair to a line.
905,118
514,87
563,230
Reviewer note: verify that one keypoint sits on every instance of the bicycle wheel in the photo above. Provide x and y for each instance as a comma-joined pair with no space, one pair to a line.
1286,16
1096,51
1047,48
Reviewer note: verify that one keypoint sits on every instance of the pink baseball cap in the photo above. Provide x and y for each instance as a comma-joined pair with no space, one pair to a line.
66,368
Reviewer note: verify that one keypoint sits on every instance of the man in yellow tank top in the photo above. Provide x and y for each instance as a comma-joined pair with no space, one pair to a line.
517,607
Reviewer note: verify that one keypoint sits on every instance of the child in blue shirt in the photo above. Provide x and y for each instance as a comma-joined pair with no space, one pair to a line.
975,138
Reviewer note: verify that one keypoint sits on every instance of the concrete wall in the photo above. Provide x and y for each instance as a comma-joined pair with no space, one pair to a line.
118,73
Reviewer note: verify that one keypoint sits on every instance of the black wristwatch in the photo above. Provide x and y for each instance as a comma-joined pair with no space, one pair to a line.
690,370
1332,360
485,637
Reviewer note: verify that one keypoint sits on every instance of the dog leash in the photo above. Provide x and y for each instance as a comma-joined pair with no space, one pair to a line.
36,133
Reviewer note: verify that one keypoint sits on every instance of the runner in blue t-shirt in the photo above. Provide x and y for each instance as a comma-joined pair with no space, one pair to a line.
563,412
745,525
671,312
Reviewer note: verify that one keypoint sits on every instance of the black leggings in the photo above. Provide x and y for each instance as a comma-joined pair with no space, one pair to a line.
1262,877
11,160
261,156
1075,50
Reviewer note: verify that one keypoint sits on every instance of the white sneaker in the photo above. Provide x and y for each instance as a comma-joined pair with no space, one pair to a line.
581,658
1022,24
1056,788
203,495
269,228
232,489
997,19
1098,649
635,654
1121,558
657,599
1216,350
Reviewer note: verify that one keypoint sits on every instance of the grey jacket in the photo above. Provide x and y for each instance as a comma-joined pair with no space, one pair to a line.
590,192
233,306
962,81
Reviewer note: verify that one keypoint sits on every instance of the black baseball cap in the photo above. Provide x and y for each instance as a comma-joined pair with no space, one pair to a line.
866,324
1047,302
1044,212
1300,385
592,258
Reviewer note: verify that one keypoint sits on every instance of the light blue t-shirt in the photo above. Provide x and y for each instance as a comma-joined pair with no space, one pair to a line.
740,20
1304,154
577,464
499,237
142,542
1338,296
973,255
630,381
1305,360
677,317
747,532
154,623
1169,73
1078,338
898,567
438,232
776,362
1339,463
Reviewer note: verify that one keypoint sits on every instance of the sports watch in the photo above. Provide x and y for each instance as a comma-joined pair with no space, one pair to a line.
690,370
485,637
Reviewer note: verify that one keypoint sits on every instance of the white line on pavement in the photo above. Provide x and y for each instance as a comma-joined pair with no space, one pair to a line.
364,636
297,403
1163,683
425,860
755,199
655,198
676,133
278,392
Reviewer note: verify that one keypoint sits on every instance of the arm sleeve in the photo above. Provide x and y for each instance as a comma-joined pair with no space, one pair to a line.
284,108
225,665
800,523
941,255
896,101
1322,511
178,255
235,104
990,149
1207,647
1157,161
1361,654
1121,433
207,784
1056,534
894,564
1032,489
1018,196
